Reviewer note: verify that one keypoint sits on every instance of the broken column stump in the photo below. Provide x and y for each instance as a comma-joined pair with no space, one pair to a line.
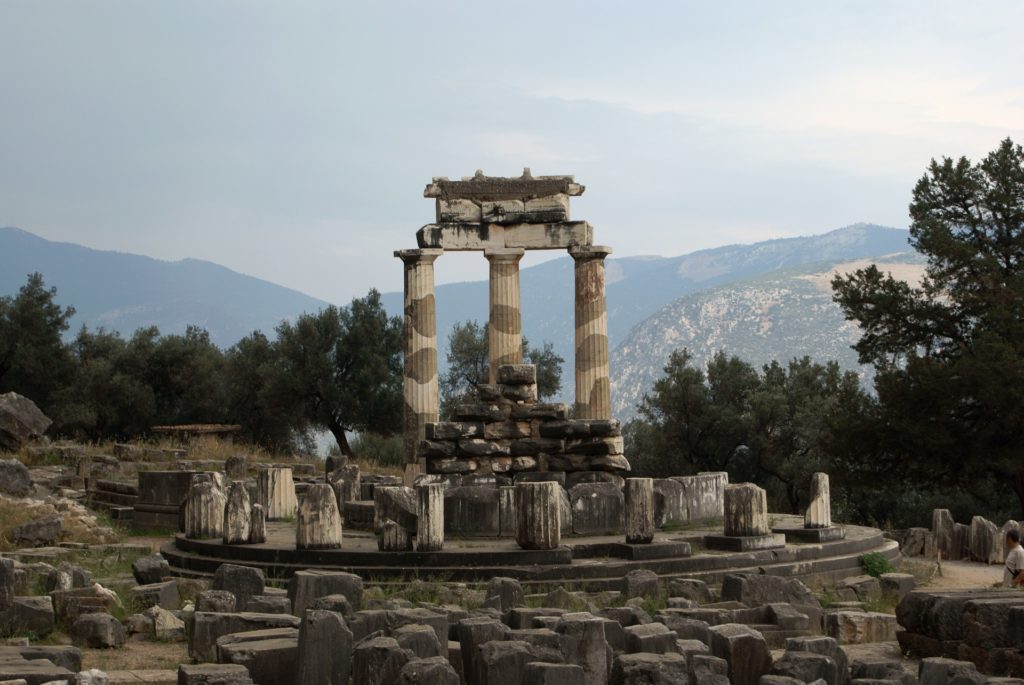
537,509
237,515
275,490
430,517
639,511
746,521
318,522
257,525
204,510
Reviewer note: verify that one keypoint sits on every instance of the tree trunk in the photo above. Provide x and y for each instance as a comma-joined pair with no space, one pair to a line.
338,431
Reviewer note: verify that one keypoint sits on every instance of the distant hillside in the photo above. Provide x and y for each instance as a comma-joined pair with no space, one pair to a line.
640,286
779,315
123,292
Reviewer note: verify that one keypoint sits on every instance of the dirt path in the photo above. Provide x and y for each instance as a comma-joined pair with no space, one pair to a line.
966,574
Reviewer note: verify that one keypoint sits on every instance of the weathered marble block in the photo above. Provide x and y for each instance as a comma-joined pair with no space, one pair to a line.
318,523
819,509
257,525
430,517
538,512
746,511
275,490
237,515
204,511
639,516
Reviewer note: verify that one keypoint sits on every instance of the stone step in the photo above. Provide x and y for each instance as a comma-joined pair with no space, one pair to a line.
593,576
122,513
149,677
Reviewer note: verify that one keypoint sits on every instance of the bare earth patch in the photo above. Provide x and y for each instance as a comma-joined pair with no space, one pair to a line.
966,574
137,655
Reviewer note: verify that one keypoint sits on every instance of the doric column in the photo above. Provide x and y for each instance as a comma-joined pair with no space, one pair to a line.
639,510
538,513
593,386
430,517
746,511
819,509
420,388
505,329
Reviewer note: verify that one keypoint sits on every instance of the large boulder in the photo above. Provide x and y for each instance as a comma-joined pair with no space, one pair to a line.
270,656
241,581
636,669
101,631
379,661
207,627
20,421
826,646
505,594
754,589
745,650
42,532
434,671
28,615
150,569
309,585
807,667
14,478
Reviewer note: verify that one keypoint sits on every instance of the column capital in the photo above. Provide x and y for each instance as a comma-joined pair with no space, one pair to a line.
504,255
585,252
418,256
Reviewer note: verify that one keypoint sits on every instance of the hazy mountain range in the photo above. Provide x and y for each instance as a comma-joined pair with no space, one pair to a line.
761,301
123,292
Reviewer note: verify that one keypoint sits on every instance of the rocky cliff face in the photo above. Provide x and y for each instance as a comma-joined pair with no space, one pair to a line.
780,315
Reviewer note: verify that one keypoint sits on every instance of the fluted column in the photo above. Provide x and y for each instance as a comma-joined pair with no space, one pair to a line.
819,509
505,329
593,385
639,510
430,517
420,387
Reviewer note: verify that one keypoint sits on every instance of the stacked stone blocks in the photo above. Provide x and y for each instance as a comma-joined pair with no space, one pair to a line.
508,431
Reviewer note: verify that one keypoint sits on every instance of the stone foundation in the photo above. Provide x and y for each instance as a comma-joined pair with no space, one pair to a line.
507,432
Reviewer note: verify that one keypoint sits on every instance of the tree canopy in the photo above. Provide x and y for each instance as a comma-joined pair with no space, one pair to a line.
948,352
776,426
337,370
468,366
343,368
33,358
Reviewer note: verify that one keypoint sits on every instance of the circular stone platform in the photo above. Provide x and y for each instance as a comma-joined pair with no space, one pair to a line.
590,563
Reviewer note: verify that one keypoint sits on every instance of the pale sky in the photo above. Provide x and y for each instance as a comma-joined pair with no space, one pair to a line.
292,140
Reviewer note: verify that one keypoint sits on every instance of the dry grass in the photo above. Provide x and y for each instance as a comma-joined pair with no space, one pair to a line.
369,466
14,512
137,655
204,448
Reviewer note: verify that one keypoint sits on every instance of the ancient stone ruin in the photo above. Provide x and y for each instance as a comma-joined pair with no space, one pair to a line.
515,548
502,433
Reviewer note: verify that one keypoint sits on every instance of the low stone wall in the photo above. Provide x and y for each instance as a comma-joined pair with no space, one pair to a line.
114,497
161,496
981,540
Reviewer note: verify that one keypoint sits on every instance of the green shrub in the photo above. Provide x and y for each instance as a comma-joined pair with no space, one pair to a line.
875,564
378,449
